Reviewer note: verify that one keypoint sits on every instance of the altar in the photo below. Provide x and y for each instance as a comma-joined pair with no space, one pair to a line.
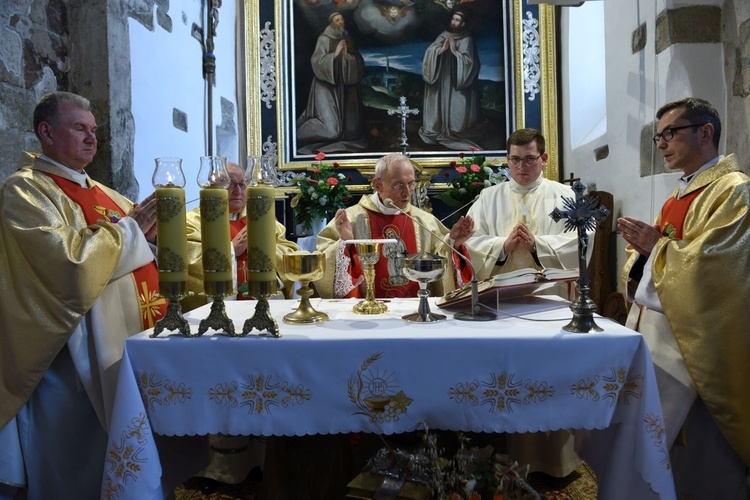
380,374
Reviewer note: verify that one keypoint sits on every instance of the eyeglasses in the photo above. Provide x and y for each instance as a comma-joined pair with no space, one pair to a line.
401,186
240,185
668,133
526,160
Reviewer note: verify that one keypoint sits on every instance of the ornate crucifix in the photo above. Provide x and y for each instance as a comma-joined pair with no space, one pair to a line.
581,214
403,111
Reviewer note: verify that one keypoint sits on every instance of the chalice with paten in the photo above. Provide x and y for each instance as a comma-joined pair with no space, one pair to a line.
424,268
369,254
305,267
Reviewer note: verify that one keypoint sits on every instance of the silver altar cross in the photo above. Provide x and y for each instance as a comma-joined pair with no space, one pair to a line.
581,214
403,111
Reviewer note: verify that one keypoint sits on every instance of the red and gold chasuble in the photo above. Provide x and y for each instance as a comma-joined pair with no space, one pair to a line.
235,226
389,281
673,214
98,206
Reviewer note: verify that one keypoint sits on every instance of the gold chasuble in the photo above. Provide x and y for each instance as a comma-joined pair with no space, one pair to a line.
701,271
98,207
54,268
368,222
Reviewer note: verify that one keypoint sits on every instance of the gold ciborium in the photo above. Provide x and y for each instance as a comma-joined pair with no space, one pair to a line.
369,254
305,267
424,267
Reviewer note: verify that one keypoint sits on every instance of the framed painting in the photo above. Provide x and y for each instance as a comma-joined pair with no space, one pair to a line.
357,79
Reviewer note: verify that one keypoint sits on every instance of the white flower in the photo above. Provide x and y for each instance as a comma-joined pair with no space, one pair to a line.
341,177
314,195
323,201
311,190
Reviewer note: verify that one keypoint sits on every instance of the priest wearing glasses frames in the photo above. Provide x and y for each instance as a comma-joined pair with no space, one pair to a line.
513,226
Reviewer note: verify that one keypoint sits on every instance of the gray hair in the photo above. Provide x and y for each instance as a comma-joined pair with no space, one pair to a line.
47,108
384,163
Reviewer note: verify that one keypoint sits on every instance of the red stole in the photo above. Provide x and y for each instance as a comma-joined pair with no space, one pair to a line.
97,206
673,214
387,226
235,226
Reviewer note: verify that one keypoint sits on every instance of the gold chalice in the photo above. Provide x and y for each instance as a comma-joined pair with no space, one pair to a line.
369,254
305,267
424,267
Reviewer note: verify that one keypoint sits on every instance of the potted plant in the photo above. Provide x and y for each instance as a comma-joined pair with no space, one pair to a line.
322,191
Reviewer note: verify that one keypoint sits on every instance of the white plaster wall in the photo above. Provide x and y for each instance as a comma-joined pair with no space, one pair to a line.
167,73
636,86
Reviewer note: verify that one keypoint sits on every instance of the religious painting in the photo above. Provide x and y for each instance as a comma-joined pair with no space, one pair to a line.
357,79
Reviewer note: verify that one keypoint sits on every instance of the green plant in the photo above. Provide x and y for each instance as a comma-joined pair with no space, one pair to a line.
469,175
322,191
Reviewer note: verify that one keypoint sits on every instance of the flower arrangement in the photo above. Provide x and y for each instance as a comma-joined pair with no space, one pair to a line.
472,174
322,191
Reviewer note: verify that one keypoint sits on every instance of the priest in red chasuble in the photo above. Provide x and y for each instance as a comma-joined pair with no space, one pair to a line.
77,277
373,217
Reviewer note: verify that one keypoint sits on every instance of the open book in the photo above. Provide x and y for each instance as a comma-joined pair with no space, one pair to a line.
507,286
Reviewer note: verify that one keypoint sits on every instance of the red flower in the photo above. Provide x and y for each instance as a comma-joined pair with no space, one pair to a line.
477,183
474,148
452,164
346,199
349,179
447,174
332,181
475,168
460,155
461,169
336,164
320,156
313,181
315,170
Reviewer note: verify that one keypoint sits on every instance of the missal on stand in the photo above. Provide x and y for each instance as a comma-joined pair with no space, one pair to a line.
508,286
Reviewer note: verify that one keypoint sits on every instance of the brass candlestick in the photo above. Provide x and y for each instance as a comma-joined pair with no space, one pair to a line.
262,319
173,291
369,254
217,319
305,267
424,267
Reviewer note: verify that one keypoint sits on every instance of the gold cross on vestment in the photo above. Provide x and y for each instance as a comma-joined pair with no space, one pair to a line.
149,303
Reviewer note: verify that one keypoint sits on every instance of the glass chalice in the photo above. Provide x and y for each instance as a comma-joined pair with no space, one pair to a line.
305,267
424,267
369,254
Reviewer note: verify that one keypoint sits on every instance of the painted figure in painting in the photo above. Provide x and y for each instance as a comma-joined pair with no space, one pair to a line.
452,103
332,120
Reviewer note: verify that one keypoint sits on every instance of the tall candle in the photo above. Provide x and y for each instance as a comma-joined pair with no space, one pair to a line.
215,239
261,233
171,234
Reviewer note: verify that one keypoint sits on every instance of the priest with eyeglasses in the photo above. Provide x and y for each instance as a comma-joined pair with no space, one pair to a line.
381,215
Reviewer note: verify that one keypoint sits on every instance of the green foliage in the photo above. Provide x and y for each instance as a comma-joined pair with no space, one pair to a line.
322,191
469,176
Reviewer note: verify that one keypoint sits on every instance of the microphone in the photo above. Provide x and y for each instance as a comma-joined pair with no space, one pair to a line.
460,208
475,314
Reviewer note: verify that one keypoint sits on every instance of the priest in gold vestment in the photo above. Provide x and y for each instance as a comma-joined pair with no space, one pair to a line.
77,277
688,275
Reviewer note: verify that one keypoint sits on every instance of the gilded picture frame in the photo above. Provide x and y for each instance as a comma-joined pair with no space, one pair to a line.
281,35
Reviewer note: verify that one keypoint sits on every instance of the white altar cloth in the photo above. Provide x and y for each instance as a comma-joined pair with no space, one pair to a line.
381,374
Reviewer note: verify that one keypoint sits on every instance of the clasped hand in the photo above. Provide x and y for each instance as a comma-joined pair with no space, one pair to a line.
144,214
520,235
641,236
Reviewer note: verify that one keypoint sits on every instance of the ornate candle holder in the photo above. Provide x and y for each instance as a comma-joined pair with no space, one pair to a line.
171,241
260,177
305,267
424,267
213,179
369,254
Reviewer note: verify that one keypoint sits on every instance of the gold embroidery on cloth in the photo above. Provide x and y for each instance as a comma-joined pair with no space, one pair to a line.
164,392
149,303
619,387
374,393
260,394
123,461
655,428
502,392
